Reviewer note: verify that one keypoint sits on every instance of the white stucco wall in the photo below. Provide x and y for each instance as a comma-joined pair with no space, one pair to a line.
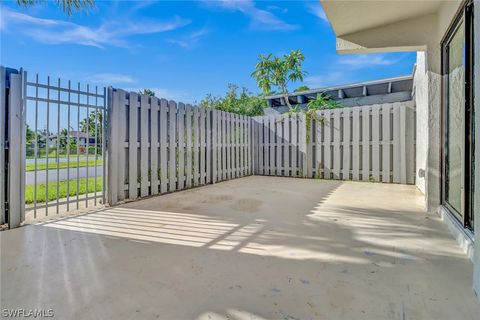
420,85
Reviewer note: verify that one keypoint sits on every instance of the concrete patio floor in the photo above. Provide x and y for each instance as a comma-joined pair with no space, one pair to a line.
251,248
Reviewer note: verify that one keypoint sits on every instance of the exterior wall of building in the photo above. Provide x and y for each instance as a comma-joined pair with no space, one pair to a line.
445,17
433,64
420,84
428,98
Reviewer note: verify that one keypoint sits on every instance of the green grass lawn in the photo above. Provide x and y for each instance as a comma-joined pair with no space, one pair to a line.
52,189
62,164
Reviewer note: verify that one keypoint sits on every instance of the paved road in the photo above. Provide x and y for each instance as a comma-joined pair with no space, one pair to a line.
52,174
73,157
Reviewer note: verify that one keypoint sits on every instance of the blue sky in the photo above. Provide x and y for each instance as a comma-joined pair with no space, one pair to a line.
182,49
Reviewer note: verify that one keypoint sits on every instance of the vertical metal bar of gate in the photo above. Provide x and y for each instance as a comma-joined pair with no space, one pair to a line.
78,147
87,140
47,145
68,143
58,146
96,145
36,151
104,146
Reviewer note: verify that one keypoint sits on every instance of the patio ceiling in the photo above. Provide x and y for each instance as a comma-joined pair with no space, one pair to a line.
382,26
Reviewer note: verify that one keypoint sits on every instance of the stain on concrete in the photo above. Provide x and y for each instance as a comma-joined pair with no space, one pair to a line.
247,205
216,198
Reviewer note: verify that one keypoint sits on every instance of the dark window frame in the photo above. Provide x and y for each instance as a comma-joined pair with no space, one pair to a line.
465,15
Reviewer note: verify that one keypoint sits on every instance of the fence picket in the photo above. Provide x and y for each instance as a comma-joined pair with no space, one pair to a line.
271,146
294,143
172,143
328,125
188,142
196,147
215,152
397,163
365,143
202,146
181,146
163,146
347,143
224,145
144,166
386,142
154,145
356,144
208,146
286,144
376,142
133,147
303,144
336,144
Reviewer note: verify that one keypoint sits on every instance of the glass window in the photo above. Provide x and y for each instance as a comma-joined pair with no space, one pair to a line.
455,119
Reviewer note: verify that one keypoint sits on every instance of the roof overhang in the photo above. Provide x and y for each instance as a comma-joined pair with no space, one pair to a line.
382,26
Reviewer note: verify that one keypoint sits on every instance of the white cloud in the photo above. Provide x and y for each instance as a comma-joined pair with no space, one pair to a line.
191,39
366,60
320,81
277,8
317,10
260,19
111,78
111,33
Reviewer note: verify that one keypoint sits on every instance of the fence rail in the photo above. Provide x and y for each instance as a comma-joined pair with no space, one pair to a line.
368,143
158,146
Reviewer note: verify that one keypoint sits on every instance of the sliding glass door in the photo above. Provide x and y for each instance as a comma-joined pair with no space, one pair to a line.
458,118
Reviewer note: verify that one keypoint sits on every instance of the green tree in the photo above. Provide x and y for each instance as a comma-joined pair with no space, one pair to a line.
67,6
321,102
243,102
272,71
147,92
93,124
302,88
30,135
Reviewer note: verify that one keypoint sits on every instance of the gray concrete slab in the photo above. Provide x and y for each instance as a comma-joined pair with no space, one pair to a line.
251,248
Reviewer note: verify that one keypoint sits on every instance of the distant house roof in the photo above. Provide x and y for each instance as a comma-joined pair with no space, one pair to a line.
75,134
355,94
80,134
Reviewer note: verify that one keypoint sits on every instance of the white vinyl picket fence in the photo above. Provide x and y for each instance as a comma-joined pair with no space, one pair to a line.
368,143
158,146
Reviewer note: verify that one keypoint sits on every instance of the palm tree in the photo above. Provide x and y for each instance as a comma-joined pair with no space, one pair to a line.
68,6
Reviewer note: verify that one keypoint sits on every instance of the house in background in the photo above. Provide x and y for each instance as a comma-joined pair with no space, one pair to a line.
81,138
444,33
398,89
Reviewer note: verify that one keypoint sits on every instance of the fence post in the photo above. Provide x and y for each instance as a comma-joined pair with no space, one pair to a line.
3,126
112,141
16,149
